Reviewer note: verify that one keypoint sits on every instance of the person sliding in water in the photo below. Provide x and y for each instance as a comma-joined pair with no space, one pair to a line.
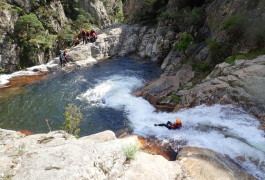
170,125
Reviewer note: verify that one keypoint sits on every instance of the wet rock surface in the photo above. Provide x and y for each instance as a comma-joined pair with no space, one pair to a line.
206,164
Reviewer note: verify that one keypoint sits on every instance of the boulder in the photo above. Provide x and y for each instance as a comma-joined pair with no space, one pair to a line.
205,164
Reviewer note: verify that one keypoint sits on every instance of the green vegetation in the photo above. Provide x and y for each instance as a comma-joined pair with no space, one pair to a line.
218,51
66,36
45,15
150,3
234,23
251,55
185,42
174,98
31,37
130,151
188,16
151,9
247,27
83,20
73,119
10,7
201,68
118,12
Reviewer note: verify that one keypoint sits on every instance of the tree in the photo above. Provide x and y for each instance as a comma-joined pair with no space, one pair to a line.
73,119
28,26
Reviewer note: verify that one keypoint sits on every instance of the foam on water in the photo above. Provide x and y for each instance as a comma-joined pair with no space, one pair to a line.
224,129
4,79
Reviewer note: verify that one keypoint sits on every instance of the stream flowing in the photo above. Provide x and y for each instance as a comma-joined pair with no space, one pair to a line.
104,94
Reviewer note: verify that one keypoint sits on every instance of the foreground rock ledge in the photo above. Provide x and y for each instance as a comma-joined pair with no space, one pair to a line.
58,155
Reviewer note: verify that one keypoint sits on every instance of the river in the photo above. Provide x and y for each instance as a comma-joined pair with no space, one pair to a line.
104,94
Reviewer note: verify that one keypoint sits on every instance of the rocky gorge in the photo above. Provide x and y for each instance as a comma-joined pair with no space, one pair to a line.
182,84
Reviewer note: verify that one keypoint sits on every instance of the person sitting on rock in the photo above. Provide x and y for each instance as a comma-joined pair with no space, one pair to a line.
76,42
93,36
170,125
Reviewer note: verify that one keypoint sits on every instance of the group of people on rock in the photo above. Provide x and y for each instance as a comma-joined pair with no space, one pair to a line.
87,36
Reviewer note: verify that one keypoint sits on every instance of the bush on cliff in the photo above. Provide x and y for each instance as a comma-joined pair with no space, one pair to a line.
31,37
219,51
73,118
130,151
184,43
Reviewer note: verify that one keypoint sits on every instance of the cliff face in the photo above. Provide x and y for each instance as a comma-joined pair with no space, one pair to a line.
26,47
104,12
47,21
9,51
190,39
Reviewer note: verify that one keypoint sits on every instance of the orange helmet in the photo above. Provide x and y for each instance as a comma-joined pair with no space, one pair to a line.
178,121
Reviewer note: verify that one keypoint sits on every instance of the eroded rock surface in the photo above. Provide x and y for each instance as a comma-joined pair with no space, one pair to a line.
58,155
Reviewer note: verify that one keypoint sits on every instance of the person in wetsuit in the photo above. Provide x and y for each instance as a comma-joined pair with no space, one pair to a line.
170,125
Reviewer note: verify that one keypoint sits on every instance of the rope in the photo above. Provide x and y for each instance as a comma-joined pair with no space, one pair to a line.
75,71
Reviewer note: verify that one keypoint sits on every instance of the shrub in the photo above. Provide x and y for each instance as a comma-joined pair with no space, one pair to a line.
191,17
218,51
230,60
130,151
66,36
31,36
184,43
174,98
73,119
28,26
234,23
201,68
251,55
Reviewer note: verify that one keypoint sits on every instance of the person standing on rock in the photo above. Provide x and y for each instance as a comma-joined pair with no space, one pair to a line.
61,57
83,33
64,55
88,36
170,125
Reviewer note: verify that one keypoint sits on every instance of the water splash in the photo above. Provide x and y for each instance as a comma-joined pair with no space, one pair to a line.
224,129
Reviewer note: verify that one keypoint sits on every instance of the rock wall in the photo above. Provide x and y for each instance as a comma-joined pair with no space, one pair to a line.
241,84
124,39
53,16
105,13
9,50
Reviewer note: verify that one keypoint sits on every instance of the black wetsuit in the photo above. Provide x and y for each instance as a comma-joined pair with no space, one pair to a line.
170,125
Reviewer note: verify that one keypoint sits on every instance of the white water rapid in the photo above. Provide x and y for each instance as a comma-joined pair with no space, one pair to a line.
224,129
